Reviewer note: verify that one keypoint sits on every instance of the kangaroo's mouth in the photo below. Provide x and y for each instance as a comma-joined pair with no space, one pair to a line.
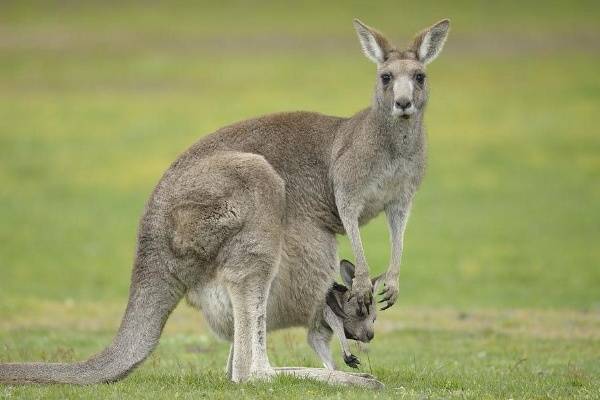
404,114
354,337
349,335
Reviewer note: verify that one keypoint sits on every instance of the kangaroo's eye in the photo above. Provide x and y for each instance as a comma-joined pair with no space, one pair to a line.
420,78
386,78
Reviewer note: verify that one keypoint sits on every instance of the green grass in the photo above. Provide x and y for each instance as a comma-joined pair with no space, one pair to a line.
499,287
418,352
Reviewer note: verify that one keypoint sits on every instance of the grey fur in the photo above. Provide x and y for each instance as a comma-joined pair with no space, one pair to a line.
260,199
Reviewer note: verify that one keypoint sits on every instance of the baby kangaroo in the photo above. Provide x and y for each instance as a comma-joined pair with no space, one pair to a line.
344,318
248,216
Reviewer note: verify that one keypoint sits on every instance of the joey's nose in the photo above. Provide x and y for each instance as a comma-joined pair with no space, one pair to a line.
370,335
403,103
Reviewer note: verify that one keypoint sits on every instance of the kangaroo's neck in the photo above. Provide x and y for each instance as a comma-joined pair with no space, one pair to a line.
398,136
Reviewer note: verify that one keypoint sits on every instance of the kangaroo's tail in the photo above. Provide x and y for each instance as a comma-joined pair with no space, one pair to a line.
152,297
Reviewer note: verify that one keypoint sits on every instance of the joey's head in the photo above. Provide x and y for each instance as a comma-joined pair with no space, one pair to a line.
401,88
357,325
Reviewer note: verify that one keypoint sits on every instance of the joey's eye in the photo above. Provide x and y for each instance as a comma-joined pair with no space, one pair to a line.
420,78
386,78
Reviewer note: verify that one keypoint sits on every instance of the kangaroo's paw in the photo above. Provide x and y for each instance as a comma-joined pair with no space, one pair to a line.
351,360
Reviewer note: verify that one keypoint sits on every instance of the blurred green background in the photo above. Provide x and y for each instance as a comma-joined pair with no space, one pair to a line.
97,98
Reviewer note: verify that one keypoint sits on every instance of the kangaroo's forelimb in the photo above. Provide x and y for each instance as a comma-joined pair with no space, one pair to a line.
397,214
319,339
338,329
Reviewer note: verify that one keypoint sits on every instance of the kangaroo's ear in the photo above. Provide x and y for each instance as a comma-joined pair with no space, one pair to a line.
375,46
429,43
347,272
334,301
377,280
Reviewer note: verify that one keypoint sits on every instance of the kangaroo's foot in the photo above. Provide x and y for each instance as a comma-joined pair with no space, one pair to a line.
262,374
333,377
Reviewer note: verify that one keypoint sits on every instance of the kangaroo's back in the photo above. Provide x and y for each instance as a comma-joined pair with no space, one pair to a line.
298,145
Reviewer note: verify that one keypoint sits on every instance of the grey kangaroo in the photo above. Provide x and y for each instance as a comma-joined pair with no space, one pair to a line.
264,198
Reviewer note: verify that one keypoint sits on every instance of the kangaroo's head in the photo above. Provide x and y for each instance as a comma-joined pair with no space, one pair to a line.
401,88
357,325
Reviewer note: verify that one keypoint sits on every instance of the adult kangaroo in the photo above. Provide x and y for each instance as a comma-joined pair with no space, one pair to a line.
266,197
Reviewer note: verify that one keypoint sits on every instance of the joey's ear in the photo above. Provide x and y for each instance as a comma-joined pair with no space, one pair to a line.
374,45
334,301
429,43
377,280
347,272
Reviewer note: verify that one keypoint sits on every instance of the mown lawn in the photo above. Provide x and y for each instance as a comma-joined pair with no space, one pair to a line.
500,287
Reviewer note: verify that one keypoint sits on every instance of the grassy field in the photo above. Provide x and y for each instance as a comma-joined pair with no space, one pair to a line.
500,287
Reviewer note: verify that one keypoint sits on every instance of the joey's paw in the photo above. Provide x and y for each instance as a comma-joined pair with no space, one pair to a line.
351,360
362,290
389,293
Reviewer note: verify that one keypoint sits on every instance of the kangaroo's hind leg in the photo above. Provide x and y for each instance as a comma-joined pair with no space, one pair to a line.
248,263
228,225
249,308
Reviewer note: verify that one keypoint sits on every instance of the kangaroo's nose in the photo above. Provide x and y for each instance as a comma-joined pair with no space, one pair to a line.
370,335
403,103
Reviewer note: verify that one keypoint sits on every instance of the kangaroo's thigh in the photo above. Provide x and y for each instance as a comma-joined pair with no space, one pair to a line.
228,195
255,249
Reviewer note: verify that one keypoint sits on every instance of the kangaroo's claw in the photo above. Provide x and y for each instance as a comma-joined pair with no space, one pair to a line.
351,361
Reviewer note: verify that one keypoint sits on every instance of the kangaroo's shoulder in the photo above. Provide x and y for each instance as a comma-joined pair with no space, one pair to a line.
297,121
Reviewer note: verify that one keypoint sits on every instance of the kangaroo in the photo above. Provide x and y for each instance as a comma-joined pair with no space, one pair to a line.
265,198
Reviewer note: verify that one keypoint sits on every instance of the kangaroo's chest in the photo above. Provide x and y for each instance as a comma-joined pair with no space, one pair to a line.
394,182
